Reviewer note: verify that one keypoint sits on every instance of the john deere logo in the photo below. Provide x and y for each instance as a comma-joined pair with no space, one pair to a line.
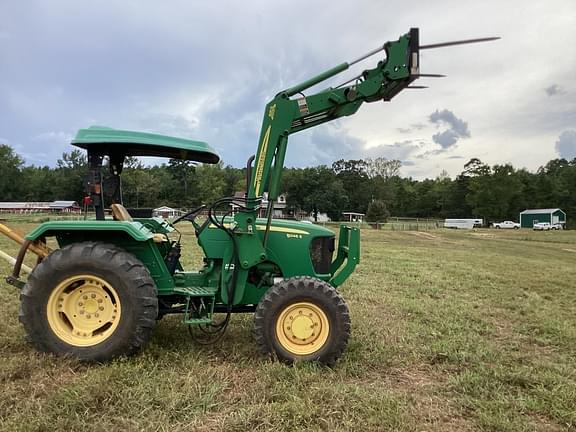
272,111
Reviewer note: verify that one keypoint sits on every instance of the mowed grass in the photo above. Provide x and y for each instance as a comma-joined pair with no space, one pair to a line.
452,331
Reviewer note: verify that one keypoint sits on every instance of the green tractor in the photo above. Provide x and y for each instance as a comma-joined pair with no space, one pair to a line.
99,295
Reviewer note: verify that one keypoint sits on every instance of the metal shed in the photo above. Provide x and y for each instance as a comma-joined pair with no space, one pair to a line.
553,215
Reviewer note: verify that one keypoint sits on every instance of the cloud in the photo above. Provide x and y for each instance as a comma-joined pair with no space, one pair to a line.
458,128
401,151
54,137
412,128
447,138
554,90
566,145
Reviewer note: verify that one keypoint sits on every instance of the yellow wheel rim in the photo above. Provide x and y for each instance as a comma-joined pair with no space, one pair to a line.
302,328
83,310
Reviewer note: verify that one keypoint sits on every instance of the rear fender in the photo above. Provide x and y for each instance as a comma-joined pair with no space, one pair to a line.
133,237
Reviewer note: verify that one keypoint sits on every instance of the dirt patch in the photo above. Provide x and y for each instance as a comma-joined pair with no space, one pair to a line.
542,423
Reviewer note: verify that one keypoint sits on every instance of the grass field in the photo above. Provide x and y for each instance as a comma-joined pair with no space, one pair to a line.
452,331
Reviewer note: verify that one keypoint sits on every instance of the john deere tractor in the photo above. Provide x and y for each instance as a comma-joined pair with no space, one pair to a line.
99,295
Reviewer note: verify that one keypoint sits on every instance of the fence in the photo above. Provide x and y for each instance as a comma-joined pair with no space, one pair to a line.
396,224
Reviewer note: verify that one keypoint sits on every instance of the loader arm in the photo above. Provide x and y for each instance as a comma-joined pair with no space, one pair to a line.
292,111
287,114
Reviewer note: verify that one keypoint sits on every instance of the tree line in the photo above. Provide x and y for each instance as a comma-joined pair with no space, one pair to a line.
370,186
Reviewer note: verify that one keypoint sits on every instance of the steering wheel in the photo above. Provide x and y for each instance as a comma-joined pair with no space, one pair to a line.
189,216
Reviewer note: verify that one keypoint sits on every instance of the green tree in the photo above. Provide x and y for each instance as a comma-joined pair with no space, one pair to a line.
210,183
377,212
70,174
38,184
315,190
184,174
10,174
357,184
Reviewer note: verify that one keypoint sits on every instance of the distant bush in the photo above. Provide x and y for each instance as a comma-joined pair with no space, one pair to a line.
377,212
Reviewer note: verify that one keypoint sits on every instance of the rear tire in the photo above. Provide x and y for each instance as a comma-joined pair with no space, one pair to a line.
302,319
90,300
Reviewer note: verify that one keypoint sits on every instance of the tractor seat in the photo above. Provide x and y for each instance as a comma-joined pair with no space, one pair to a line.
120,213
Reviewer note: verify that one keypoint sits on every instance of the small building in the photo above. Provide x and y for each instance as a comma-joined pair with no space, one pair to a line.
29,207
166,212
552,215
65,207
279,209
320,217
353,217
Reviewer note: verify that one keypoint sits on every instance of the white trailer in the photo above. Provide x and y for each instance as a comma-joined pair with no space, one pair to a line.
463,223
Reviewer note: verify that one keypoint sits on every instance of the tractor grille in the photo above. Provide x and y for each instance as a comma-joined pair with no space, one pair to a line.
321,250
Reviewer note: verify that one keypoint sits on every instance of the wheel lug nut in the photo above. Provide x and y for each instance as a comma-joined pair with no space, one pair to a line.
81,312
80,304
101,308
96,315
85,297
99,300
93,296
88,316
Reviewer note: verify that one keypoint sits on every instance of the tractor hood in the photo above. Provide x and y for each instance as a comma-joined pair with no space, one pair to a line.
110,141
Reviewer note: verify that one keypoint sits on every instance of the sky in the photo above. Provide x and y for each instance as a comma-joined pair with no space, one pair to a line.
204,70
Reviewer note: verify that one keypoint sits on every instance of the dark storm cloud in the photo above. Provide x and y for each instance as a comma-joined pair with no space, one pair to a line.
554,90
457,128
566,145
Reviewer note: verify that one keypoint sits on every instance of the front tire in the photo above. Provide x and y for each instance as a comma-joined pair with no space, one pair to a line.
302,319
92,301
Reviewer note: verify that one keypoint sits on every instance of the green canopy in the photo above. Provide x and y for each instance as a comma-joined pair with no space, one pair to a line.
129,143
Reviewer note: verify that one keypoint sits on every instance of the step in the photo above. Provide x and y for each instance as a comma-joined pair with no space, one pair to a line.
197,321
196,291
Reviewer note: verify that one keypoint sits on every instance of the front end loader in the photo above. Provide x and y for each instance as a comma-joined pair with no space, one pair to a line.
100,293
